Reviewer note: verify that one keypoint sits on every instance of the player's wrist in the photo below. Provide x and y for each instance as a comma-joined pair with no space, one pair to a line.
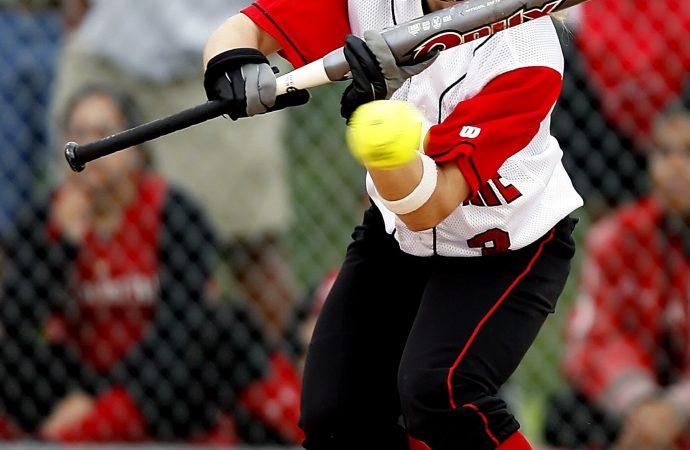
225,62
421,194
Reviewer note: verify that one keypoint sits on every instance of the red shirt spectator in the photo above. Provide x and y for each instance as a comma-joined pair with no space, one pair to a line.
111,331
628,339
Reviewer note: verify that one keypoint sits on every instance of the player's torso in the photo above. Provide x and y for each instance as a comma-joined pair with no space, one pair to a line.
531,192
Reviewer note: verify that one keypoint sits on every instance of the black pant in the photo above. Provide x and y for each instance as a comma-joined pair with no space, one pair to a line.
428,340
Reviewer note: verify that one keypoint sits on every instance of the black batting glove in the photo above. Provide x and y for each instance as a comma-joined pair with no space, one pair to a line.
375,72
243,78
367,83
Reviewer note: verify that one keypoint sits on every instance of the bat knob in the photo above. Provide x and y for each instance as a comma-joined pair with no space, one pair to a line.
71,157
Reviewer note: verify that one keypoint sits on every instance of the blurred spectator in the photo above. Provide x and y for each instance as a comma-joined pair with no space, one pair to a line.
110,328
237,170
625,59
627,354
30,34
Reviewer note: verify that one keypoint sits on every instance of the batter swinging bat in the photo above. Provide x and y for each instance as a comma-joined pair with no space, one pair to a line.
464,22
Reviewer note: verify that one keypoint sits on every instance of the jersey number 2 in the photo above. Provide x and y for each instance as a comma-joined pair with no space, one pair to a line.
491,241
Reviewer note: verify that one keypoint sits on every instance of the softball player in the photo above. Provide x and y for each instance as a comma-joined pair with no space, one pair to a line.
464,250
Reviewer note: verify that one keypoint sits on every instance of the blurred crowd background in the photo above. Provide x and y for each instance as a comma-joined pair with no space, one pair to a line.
167,292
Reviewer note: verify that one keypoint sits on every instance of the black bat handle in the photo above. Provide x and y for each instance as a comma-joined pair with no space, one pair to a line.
78,155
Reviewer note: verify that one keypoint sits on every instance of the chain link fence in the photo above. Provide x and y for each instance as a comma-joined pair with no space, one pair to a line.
167,293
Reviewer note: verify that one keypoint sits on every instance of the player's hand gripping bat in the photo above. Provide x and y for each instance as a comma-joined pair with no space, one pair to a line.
464,22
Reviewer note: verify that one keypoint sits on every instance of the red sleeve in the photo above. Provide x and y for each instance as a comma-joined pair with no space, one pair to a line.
483,131
307,30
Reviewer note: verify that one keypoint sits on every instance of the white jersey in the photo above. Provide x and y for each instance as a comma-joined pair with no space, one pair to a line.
546,194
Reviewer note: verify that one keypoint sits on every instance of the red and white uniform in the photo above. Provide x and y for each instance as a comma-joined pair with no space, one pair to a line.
480,104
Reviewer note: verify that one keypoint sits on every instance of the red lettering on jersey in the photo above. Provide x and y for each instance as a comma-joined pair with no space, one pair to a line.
476,200
509,192
488,196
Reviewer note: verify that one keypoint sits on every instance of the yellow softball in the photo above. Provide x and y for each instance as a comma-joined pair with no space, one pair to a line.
384,134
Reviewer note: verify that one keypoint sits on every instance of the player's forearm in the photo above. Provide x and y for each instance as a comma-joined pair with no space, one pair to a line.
451,189
239,32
